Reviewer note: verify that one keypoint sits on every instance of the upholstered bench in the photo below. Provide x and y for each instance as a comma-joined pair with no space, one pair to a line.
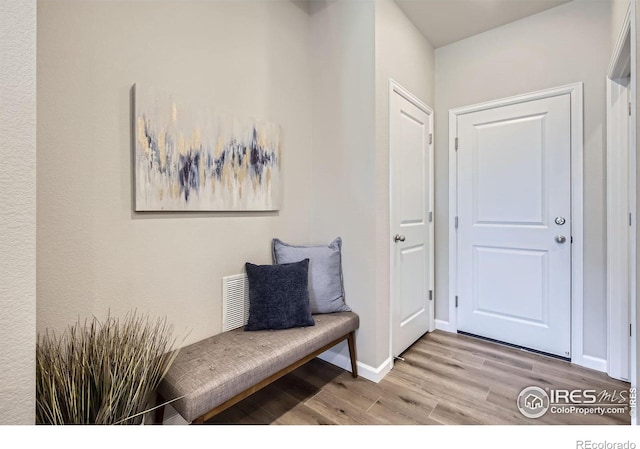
213,374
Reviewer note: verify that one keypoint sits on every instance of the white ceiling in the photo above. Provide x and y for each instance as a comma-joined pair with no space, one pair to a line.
445,21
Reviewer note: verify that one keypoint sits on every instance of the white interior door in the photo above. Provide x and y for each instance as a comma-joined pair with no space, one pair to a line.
514,222
411,166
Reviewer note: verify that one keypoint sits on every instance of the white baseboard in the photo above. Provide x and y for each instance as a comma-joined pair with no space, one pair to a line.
375,374
368,372
591,362
445,326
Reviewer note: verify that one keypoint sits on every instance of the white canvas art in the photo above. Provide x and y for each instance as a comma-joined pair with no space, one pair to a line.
195,160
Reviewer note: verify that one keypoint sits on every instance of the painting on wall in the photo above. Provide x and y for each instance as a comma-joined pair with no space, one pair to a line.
195,160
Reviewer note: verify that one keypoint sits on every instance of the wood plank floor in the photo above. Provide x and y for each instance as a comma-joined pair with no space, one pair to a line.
445,379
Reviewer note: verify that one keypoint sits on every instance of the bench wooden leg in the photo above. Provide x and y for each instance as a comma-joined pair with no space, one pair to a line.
352,352
159,413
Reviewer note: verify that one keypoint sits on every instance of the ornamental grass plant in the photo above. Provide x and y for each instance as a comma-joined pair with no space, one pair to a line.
102,372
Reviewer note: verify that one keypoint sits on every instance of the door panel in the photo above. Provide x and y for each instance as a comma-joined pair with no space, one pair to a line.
523,298
514,276
509,186
413,163
411,201
412,303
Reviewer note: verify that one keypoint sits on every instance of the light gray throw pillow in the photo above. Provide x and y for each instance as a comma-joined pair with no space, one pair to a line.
326,289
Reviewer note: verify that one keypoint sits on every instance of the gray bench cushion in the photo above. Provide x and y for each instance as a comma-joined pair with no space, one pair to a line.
218,368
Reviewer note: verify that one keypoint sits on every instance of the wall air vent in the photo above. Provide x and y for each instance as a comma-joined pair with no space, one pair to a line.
235,301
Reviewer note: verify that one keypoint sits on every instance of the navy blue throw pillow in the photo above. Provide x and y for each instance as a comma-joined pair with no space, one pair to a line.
278,296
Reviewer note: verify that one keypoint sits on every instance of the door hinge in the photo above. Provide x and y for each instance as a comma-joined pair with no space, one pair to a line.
629,218
456,301
629,108
630,330
456,222
571,239
430,138
430,216
456,144
430,295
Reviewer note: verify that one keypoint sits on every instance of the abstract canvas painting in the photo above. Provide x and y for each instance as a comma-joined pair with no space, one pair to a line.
192,159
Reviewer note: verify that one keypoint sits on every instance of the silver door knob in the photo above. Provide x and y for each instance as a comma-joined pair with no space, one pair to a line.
398,238
561,238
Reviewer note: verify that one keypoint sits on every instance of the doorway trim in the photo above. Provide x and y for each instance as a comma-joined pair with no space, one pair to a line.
620,205
575,91
396,88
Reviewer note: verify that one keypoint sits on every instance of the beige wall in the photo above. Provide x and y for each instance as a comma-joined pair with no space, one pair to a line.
404,55
343,188
320,70
246,58
17,211
563,45
356,47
